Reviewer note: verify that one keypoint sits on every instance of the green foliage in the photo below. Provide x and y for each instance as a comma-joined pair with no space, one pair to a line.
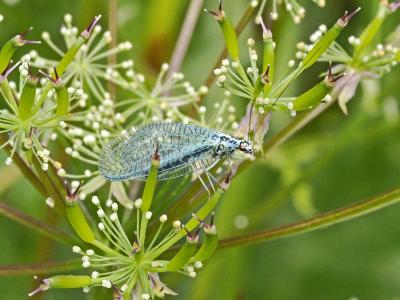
297,176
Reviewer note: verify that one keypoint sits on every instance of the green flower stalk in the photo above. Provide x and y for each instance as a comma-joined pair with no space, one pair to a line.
268,57
76,217
324,43
72,51
28,97
228,31
62,96
62,282
210,243
184,254
9,48
368,60
317,94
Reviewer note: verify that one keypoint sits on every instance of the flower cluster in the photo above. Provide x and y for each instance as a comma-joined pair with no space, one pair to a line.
257,83
63,107
367,60
88,67
131,264
296,10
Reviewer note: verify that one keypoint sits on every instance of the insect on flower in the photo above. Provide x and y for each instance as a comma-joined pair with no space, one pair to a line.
183,148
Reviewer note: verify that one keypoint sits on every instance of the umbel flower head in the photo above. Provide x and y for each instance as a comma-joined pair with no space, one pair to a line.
130,262
257,83
88,68
368,60
33,111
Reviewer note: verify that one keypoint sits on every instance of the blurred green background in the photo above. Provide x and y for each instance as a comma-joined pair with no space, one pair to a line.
333,162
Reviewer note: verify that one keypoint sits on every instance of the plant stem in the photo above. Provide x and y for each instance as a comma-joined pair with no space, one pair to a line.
185,36
41,268
35,224
297,124
323,220
113,28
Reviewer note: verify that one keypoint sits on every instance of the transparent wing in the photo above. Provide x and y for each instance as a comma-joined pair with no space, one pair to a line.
179,144
188,168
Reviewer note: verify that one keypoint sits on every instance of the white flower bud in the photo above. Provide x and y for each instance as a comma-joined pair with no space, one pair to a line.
198,264
251,42
138,203
100,213
164,67
61,172
124,288
202,109
106,283
95,200
101,226
177,224
193,274
148,215
8,161
50,202
163,218
67,18
86,264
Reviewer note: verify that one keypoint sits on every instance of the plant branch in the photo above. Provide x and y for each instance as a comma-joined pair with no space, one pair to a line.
185,36
113,28
297,124
35,224
40,268
321,221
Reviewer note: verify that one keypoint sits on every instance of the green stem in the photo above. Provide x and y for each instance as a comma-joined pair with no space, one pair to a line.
106,249
35,224
41,268
247,16
321,221
297,124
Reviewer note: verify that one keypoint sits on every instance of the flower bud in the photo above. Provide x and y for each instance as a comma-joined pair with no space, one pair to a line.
76,217
28,97
326,40
184,254
9,48
62,282
228,30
